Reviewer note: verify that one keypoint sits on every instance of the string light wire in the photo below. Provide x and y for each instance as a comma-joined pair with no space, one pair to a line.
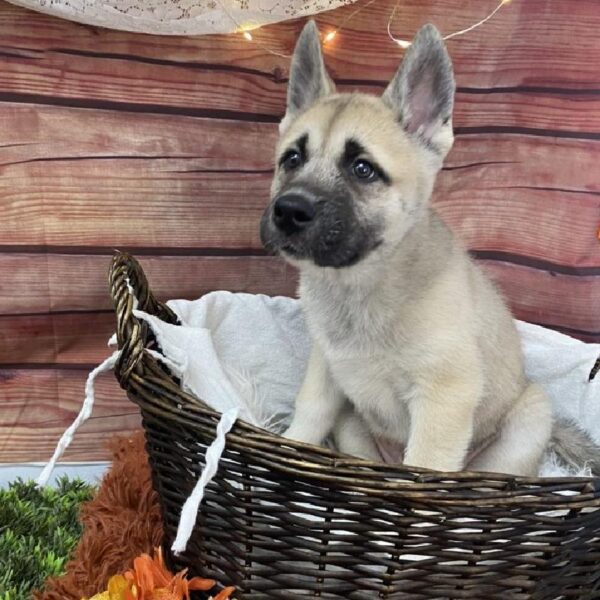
331,35
247,35
406,43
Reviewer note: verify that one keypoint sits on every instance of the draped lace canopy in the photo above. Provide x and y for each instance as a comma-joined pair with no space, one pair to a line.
180,17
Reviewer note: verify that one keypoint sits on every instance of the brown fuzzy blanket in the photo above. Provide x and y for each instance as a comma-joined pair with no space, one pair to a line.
120,522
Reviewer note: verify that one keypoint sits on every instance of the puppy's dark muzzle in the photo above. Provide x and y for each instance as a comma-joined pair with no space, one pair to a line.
293,213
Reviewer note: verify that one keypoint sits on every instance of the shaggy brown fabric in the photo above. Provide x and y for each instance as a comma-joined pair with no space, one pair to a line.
119,523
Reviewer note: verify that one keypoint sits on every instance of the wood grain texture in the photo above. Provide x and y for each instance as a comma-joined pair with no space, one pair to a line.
164,146
131,81
38,404
42,283
549,298
547,43
120,200
87,179
52,339
80,337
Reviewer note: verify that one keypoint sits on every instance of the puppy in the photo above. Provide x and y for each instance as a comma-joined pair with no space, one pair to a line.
412,345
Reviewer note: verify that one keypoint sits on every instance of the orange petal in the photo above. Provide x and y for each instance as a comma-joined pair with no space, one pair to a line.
164,594
162,575
225,593
178,585
144,574
198,583
181,586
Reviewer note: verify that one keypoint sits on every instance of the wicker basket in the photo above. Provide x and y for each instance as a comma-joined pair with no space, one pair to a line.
288,520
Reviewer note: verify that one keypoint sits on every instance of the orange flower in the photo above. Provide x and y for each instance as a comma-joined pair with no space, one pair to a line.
118,589
151,580
154,581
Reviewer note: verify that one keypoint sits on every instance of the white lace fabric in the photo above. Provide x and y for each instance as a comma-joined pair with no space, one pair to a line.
180,17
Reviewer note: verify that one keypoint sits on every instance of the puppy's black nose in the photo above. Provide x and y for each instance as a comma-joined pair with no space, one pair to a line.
292,213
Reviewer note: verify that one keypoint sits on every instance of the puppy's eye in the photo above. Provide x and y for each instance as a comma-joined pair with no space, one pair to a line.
291,160
364,170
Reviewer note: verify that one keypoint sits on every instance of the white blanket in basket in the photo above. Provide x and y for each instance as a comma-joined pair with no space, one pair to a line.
245,356
250,352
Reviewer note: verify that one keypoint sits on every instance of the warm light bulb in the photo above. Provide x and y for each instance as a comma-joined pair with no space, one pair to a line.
248,35
329,37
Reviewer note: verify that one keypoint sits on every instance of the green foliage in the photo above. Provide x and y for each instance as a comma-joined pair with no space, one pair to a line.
38,530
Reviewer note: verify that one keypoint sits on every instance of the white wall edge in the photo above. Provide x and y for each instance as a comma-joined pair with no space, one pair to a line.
90,472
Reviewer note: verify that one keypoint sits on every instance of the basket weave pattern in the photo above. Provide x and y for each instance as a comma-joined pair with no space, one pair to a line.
287,520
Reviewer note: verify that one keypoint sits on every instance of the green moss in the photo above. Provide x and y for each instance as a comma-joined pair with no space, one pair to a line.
38,530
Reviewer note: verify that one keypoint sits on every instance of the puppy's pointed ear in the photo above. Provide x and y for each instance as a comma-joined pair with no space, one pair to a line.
422,91
309,80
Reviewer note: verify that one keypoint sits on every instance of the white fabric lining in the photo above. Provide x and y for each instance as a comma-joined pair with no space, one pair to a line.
245,356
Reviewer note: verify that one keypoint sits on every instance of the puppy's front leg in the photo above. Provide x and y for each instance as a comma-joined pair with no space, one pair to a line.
441,426
318,403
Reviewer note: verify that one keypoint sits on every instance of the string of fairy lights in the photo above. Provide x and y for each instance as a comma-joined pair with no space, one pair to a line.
332,34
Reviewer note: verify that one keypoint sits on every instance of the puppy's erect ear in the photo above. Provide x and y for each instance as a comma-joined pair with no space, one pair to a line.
309,80
422,91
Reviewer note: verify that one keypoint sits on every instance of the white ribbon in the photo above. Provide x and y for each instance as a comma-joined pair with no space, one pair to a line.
189,511
84,414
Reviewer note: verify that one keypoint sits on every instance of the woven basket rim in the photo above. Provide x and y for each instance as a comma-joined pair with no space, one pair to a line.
292,458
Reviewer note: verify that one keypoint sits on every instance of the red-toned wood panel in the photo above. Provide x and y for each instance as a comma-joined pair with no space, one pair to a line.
549,298
163,145
41,133
127,81
74,338
80,338
38,404
550,43
40,283
526,196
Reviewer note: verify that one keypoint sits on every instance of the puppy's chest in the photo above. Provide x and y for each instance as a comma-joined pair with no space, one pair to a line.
378,387
369,360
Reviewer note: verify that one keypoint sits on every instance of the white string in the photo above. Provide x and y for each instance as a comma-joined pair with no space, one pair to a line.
88,404
406,43
189,511
84,414
485,20
401,43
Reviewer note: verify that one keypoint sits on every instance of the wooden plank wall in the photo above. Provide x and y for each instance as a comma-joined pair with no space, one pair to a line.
162,145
